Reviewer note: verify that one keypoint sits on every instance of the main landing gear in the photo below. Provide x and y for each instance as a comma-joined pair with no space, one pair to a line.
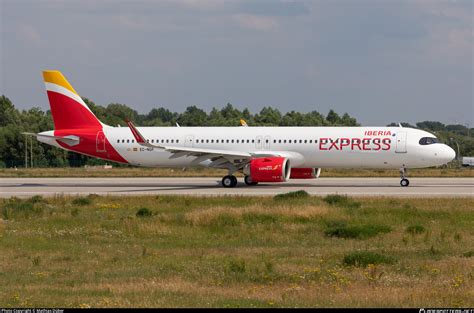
229,181
404,182
248,181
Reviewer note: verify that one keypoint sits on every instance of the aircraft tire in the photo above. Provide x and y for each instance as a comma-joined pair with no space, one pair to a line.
229,181
404,182
248,181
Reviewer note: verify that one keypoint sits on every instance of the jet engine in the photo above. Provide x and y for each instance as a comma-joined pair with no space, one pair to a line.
305,173
271,169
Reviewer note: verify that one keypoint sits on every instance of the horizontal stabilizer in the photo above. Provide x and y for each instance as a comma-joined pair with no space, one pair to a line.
69,140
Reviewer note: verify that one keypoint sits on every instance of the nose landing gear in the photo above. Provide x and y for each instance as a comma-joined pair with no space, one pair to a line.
404,182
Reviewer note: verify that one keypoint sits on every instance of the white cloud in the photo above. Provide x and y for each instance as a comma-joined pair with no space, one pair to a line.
449,29
29,34
256,22
200,4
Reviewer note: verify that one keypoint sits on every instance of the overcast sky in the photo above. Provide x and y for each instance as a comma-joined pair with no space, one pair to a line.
378,60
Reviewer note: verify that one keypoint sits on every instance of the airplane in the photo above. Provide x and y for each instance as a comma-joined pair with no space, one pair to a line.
262,154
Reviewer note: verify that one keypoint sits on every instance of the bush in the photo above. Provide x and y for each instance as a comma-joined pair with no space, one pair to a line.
468,254
257,218
300,194
144,212
341,201
358,232
237,266
331,223
36,199
36,261
82,201
415,229
15,207
364,258
224,220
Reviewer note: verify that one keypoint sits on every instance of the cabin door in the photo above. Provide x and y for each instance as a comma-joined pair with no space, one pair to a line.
100,142
189,142
401,144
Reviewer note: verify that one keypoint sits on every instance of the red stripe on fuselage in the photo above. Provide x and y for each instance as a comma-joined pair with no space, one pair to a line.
89,144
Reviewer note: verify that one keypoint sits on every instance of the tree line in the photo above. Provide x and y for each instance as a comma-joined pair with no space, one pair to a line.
13,122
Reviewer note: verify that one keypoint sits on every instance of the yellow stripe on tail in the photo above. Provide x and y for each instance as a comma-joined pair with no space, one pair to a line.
56,77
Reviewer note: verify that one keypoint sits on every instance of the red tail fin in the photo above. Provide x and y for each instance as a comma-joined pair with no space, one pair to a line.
67,107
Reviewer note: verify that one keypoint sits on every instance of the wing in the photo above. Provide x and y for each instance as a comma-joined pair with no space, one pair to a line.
233,160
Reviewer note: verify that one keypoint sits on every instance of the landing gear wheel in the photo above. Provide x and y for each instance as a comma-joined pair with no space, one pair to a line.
248,181
229,181
404,182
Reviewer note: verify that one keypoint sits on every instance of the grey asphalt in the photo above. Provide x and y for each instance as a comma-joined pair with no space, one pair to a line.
353,186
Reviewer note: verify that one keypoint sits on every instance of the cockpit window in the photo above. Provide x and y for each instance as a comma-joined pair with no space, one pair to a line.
428,141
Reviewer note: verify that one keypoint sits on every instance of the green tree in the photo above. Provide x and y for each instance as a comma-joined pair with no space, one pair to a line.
348,121
268,116
8,114
333,118
193,116
431,125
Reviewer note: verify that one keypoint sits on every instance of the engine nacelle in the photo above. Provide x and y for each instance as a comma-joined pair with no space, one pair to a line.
305,173
271,170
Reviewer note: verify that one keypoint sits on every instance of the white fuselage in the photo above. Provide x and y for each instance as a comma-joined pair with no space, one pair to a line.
322,147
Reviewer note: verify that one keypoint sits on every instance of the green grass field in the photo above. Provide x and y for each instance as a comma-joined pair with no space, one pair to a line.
205,172
289,251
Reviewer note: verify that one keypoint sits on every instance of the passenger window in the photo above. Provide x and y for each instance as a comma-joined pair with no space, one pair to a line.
248,141
311,141
266,141
279,140
237,141
172,140
253,140
177,140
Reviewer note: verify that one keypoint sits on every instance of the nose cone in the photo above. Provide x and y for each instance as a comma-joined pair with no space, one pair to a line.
448,154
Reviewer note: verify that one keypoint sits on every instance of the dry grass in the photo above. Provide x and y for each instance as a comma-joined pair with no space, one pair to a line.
204,172
232,252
